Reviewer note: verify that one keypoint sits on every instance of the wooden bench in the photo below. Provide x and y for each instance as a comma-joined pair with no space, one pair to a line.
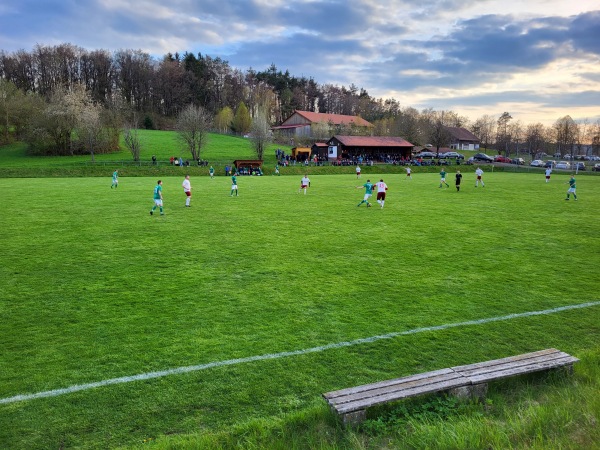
470,380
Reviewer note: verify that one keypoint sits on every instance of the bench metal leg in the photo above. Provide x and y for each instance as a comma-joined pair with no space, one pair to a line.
354,418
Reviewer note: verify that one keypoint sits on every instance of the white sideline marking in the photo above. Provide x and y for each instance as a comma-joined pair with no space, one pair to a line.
231,362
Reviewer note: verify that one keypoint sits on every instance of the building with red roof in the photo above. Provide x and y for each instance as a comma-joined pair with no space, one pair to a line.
300,122
372,147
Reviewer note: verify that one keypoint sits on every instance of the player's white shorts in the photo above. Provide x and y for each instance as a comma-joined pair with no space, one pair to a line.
571,190
158,202
234,187
368,196
443,179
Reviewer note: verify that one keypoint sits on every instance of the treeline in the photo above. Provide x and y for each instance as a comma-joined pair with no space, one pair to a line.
153,93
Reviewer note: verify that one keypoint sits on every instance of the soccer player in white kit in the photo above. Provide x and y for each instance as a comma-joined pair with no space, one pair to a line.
304,184
187,189
479,174
381,188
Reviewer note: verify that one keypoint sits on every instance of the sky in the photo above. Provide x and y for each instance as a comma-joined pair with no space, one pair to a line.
539,60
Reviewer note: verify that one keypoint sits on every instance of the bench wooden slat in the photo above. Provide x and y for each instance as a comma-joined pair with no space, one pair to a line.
400,394
527,363
510,359
381,384
521,370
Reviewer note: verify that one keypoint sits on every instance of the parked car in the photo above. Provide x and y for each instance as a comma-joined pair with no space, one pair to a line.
557,155
579,166
452,155
563,165
518,161
596,168
425,155
537,163
550,164
482,157
501,159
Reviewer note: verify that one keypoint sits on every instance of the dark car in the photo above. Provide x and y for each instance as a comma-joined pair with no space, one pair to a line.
482,157
452,155
596,168
550,164
579,166
517,161
425,155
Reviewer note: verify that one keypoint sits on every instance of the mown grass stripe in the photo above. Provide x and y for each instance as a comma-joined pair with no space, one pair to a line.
231,362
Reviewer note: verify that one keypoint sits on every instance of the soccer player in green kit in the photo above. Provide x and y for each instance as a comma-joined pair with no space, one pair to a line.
443,178
115,180
572,188
158,198
368,192
234,186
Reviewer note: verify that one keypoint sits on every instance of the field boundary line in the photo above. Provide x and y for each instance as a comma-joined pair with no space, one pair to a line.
321,348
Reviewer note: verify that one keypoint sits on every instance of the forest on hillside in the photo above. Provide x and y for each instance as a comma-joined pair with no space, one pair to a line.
156,92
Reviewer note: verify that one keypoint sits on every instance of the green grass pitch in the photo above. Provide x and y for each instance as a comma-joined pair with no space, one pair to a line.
94,288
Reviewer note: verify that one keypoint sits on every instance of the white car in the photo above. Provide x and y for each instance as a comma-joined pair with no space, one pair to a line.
537,163
563,165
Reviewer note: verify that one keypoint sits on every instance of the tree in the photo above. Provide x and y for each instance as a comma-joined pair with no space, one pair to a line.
193,125
89,127
534,138
438,133
483,128
224,120
261,134
565,133
502,134
242,121
8,95
132,139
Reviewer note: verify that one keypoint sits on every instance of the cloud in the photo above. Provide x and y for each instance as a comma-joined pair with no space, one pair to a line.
441,53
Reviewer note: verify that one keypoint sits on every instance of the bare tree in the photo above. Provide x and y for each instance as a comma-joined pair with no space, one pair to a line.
131,137
565,132
193,125
89,129
261,134
483,128
503,137
535,138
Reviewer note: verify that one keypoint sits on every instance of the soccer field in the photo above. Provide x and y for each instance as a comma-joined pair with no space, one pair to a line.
250,307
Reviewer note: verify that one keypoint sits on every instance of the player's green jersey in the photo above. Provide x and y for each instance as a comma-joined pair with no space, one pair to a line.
157,192
572,183
233,180
368,188
443,174
211,170
115,175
